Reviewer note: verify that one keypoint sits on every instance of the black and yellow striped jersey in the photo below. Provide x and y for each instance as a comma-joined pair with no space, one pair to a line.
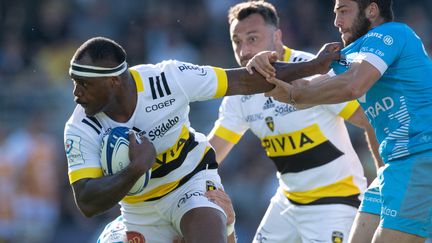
311,148
161,114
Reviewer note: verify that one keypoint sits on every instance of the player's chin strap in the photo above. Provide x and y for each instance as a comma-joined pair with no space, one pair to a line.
95,72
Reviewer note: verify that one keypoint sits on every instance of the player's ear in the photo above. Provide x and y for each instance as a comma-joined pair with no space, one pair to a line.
277,36
372,11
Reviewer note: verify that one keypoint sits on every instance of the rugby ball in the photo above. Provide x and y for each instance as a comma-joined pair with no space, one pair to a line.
115,157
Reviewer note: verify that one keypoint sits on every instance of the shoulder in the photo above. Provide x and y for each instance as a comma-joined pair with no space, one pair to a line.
300,56
82,125
387,31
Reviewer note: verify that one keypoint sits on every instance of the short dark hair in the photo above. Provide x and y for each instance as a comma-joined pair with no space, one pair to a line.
101,48
245,9
385,7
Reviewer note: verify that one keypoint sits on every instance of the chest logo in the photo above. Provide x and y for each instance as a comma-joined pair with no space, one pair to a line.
159,86
337,237
270,123
268,104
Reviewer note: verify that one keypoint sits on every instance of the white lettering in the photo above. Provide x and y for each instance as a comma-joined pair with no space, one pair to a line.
384,104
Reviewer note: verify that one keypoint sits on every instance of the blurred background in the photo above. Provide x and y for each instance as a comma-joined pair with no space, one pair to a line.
37,40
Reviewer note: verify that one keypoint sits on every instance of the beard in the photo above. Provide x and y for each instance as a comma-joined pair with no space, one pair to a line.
360,27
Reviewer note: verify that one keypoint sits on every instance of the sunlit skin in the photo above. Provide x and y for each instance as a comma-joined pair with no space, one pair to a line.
351,22
104,94
252,35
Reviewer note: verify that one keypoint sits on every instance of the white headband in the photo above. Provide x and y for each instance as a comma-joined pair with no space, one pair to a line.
94,72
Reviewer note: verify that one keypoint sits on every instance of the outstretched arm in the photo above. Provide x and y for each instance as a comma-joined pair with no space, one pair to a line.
240,81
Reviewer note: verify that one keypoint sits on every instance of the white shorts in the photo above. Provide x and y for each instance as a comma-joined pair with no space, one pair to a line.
286,222
159,221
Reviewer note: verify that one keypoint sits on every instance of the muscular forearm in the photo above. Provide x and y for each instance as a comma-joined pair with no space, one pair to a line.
329,91
241,82
95,196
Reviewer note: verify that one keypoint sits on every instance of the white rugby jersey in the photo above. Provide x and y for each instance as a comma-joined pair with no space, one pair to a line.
311,148
161,114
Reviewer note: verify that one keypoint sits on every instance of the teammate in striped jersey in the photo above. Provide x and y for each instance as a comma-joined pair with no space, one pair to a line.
153,101
321,179
385,66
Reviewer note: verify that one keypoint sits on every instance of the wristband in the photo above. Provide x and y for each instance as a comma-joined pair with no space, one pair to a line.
230,228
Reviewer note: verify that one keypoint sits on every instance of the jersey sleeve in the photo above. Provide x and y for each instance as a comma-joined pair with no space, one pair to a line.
382,46
230,125
198,82
82,152
345,109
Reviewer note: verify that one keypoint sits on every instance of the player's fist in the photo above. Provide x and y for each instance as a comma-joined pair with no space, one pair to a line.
328,53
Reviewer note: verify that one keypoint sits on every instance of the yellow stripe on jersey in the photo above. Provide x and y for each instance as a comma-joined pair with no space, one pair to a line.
157,192
342,188
163,190
226,134
138,80
349,109
295,142
174,152
222,82
287,54
84,173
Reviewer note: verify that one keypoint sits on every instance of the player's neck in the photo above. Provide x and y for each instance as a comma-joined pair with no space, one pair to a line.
378,21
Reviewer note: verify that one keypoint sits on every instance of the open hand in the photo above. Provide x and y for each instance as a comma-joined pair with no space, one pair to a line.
222,199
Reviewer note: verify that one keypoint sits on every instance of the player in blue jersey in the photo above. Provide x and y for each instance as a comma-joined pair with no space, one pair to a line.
385,66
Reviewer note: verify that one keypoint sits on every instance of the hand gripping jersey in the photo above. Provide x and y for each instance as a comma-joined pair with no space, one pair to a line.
399,104
161,114
311,148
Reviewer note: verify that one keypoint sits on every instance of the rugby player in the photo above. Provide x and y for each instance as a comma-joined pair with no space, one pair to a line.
153,101
321,179
385,67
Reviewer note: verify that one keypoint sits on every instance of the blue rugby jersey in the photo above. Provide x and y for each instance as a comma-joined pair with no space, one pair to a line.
399,104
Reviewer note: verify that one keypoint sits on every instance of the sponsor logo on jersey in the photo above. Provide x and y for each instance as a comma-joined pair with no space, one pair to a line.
159,86
270,123
372,199
187,196
374,34
284,109
73,150
210,186
159,105
135,237
245,98
254,117
295,142
174,152
268,104
337,237
199,70
160,130
380,106
389,212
